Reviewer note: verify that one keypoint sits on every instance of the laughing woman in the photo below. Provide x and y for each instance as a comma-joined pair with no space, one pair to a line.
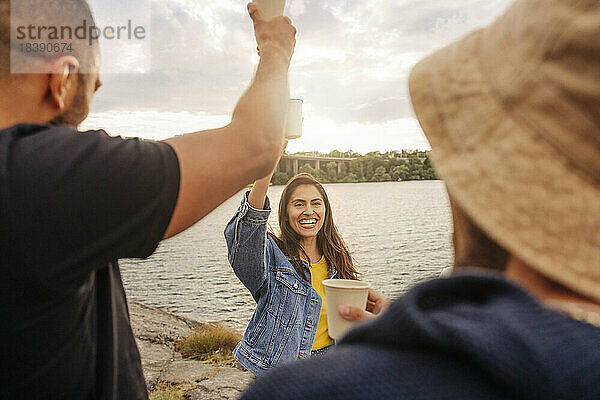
284,273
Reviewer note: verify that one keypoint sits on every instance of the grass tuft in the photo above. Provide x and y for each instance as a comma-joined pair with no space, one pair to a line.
167,391
214,343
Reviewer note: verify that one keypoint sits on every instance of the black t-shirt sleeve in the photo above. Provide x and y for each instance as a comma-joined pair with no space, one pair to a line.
80,200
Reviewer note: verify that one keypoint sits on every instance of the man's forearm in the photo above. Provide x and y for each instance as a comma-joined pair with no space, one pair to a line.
216,164
260,112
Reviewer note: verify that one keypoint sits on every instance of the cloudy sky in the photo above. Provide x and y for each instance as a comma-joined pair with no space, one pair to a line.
350,66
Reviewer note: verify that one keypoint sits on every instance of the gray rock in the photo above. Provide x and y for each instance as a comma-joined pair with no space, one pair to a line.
155,358
187,371
156,331
202,394
228,383
155,325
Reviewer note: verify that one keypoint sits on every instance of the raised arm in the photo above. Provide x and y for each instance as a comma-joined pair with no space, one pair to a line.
258,194
216,164
246,236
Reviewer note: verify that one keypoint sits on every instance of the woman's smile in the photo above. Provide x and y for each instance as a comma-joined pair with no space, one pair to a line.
308,223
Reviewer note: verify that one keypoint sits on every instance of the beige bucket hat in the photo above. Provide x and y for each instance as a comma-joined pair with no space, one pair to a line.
512,113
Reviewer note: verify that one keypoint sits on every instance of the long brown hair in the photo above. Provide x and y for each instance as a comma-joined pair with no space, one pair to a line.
329,241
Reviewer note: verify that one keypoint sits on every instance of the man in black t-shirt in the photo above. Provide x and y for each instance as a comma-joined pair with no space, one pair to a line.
73,203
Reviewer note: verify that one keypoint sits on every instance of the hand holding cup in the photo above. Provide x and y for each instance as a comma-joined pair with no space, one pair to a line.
275,35
270,8
343,292
376,304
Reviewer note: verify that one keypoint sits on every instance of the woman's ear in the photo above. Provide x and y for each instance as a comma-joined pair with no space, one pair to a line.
62,80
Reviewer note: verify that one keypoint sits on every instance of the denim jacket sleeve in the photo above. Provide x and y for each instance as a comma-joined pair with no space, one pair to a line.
246,237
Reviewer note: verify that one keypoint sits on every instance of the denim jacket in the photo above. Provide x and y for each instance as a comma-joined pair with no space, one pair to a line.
284,323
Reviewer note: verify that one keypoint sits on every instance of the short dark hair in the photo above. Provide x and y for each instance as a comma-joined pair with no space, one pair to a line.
70,13
472,246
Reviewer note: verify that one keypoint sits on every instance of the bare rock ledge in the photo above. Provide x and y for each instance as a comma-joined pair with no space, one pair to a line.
155,332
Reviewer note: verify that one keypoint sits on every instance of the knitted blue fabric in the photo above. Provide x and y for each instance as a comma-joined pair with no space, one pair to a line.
465,337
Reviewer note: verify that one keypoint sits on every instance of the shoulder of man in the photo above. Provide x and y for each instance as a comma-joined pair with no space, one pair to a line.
37,143
79,188
24,131
55,146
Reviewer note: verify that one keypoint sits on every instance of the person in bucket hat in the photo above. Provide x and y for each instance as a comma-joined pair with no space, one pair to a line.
512,113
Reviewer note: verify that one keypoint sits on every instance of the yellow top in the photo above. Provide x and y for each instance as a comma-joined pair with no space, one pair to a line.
319,272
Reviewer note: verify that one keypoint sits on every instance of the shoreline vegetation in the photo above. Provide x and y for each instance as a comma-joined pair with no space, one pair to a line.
212,344
183,358
391,166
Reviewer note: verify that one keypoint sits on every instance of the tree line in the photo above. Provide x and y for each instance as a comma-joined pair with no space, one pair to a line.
391,166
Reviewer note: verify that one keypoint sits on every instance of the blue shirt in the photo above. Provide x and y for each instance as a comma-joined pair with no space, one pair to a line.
465,337
284,324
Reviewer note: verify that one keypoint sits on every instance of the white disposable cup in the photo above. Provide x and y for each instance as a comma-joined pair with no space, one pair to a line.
293,120
343,291
270,8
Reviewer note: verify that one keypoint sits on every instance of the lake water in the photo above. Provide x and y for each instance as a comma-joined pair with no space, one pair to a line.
397,232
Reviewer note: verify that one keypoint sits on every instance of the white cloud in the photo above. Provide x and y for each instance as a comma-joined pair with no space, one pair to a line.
124,49
296,7
350,66
324,135
152,124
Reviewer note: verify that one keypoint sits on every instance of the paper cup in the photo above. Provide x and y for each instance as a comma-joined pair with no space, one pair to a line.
270,8
338,292
293,121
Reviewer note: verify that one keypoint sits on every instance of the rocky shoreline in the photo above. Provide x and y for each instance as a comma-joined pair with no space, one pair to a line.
155,332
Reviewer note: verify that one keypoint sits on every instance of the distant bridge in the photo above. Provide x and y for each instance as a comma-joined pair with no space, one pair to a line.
295,162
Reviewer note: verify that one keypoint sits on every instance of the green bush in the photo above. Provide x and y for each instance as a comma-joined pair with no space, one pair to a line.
279,178
350,178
